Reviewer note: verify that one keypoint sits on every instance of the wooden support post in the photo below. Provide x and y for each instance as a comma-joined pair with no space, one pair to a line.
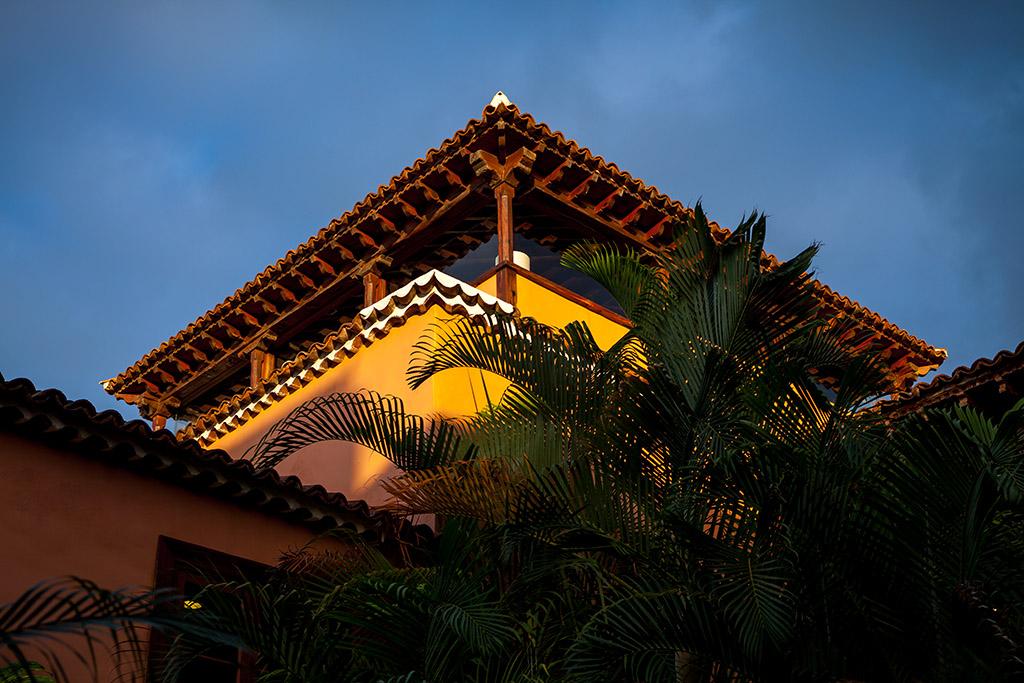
157,412
502,169
506,289
375,288
159,421
261,365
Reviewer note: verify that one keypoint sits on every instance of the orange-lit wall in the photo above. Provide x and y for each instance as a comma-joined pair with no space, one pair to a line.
381,366
550,308
68,514
354,470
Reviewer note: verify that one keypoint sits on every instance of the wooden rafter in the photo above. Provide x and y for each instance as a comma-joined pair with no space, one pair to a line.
384,222
196,352
428,192
215,342
408,209
656,229
608,200
310,284
304,279
325,267
232,331
630,217
284,292
556,174
581,188
360,236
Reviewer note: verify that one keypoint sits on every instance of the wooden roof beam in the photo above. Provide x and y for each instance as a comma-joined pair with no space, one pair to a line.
266,304
428,192
345,254
408,209
304,279
632,216
164,375
217,344
325,267
385,223
355,234
656,229
453,177
248,317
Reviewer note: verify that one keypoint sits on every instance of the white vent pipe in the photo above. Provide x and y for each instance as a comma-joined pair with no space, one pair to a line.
519,258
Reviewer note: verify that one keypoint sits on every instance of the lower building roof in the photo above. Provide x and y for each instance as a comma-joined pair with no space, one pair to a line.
48,416
991,384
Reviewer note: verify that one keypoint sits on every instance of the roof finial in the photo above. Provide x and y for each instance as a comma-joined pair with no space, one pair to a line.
498,99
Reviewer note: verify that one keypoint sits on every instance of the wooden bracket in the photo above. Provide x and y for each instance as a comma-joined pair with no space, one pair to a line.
155,410
262,364
503,171
375,288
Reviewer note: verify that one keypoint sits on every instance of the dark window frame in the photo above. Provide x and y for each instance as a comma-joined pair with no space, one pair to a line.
179,563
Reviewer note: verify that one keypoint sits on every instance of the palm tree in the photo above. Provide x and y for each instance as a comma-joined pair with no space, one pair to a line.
713,497
73,621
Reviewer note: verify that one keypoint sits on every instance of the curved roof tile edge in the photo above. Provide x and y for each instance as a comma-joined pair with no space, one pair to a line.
933,355
372,324
48,415
934,390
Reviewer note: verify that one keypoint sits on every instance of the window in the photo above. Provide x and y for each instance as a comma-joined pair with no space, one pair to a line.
183,568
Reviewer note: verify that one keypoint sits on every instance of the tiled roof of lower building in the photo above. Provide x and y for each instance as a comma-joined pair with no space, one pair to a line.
47,416
1003,374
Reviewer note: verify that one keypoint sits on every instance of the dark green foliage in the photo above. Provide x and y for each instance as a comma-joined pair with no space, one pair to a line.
691,504
73,620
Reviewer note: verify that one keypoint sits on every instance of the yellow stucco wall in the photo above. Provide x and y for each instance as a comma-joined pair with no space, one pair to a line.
381,366
338,466
552,309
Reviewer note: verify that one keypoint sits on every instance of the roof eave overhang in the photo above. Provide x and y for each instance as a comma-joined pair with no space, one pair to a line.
47,416
447,185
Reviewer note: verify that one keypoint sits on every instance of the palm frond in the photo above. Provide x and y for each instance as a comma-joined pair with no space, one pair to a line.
368,419
73,620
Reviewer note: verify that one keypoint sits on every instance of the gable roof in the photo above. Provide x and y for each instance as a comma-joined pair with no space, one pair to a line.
430,214
47,416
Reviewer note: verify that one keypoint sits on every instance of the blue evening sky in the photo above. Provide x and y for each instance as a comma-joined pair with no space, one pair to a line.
155,156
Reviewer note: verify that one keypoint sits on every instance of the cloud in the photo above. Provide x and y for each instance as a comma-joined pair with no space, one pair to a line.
158,155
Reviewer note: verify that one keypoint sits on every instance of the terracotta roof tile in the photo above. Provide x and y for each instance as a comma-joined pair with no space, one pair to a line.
959,382
46,415
507,118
